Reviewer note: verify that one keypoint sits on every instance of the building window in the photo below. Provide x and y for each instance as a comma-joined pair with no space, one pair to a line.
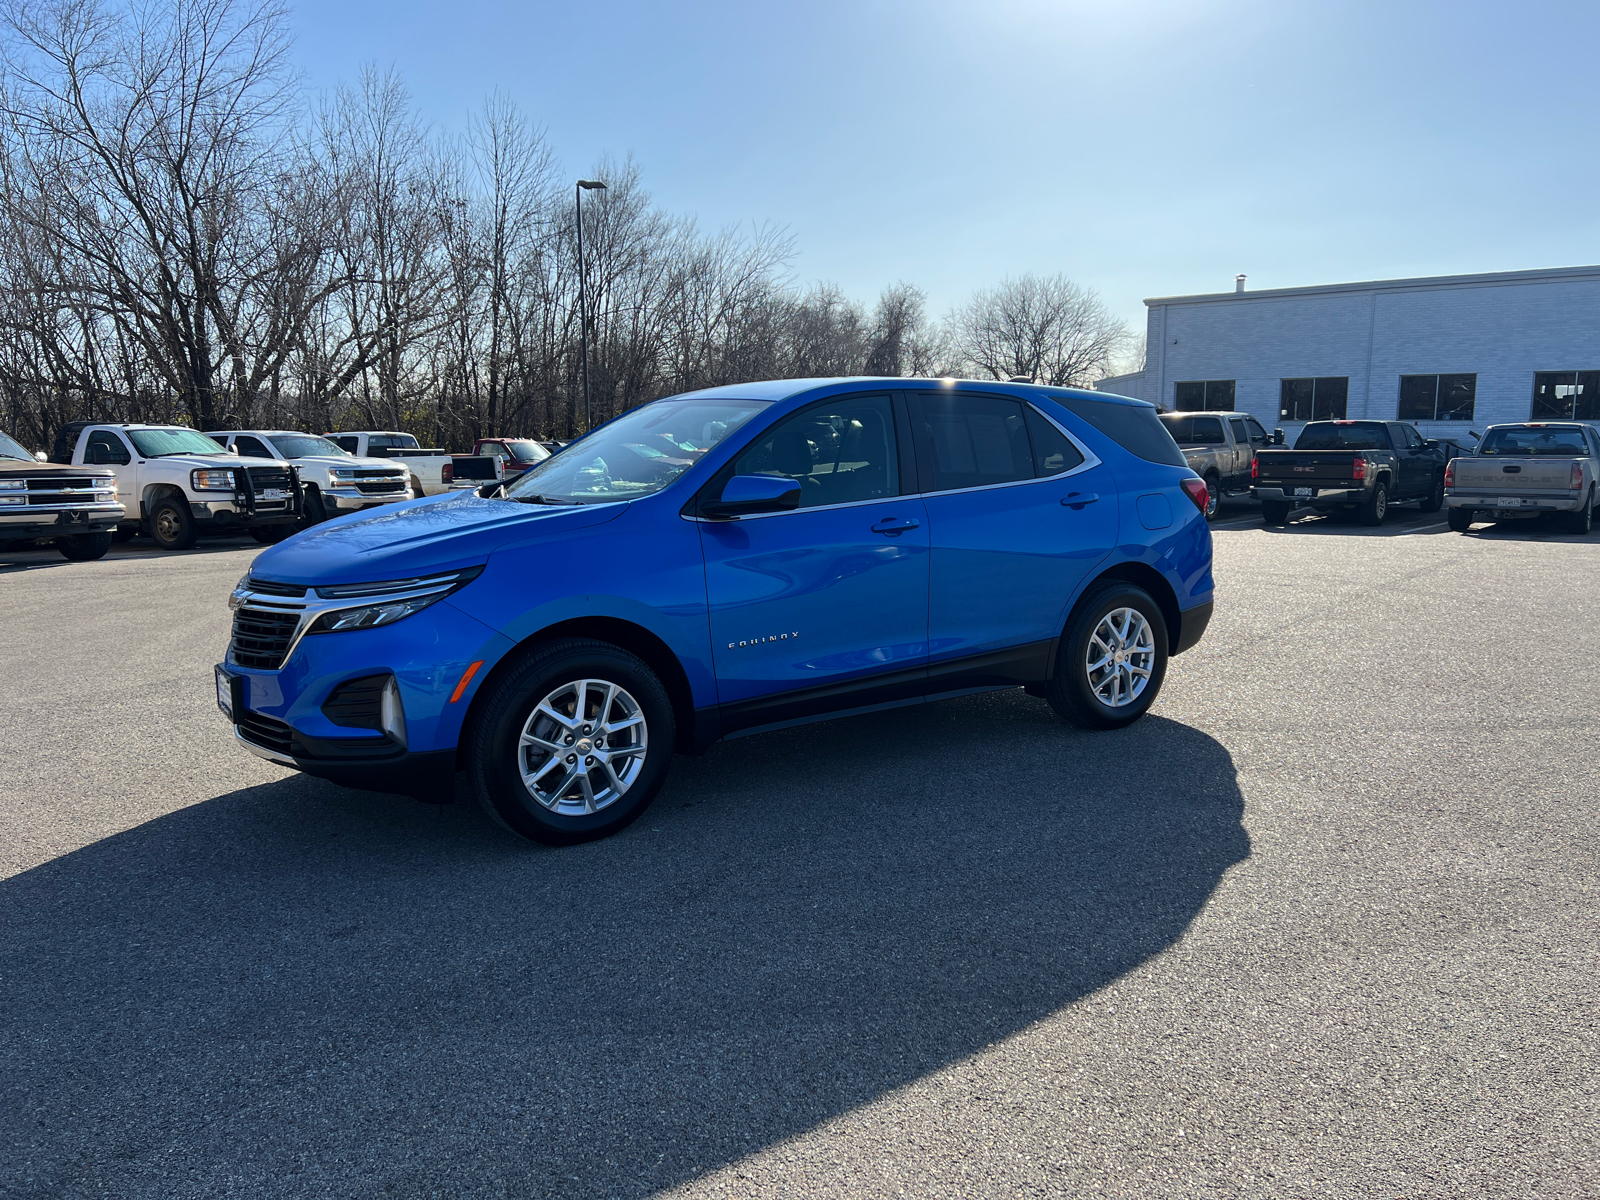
1203,395
1322,399
1437,397
1574,395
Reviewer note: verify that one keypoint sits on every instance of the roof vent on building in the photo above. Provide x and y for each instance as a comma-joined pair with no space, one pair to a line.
1238,284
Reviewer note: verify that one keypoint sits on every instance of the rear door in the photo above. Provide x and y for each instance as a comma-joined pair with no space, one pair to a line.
1019,513
1413,461
1241,453
825,607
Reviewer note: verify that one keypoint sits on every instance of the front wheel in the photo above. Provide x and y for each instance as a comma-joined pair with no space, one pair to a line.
1434,500
573,743
271,535
171,524
84,547
1112,658
316,509
1377,505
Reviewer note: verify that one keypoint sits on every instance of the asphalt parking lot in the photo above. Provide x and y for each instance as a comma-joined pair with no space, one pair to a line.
1323,924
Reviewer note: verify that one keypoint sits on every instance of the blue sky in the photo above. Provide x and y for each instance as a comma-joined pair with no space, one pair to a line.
1142,148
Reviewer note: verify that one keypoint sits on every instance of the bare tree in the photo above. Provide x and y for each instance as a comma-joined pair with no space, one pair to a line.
1047,329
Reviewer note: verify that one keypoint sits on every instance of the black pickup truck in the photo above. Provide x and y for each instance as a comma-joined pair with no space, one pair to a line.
1359,466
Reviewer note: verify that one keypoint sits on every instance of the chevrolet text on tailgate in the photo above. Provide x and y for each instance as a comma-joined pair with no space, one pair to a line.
720,563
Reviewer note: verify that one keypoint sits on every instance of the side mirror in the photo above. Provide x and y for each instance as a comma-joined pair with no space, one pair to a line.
746,495
41,456
1277,437
233,450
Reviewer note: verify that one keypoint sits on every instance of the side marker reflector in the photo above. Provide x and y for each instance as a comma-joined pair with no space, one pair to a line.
465,679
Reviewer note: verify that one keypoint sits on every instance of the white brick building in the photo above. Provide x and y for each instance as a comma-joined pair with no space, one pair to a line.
1448,352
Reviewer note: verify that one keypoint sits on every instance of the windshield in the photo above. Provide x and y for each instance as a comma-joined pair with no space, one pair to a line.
1343,435
154,443
1202,430
1564,440
525,451
10,449
639,453
300,445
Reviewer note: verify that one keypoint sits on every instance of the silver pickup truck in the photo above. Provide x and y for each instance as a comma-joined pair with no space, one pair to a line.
1220,448
1527,470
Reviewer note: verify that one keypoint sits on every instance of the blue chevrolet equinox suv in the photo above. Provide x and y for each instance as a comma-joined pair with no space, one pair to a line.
720,563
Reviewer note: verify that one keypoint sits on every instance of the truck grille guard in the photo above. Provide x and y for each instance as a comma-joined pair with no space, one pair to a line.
251,477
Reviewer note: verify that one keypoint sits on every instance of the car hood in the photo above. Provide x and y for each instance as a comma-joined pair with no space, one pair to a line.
211,461
418,537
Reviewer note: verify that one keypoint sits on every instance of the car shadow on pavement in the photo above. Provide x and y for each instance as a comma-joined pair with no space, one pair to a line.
298,989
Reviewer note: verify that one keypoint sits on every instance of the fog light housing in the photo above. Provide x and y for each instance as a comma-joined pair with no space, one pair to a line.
392,714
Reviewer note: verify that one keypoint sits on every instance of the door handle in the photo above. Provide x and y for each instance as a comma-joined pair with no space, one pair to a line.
1076,500
895,526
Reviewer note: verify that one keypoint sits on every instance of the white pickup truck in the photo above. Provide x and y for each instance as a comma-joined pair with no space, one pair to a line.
175,483
334,480
1527,470
430,469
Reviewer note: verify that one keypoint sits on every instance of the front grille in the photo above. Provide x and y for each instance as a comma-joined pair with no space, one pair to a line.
269,477
267,588
261,637
379,473
56,483
357,703
265,731
380,487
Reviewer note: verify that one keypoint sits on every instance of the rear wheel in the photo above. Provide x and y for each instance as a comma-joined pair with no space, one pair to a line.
1274,512
84,547
573,744
171,525
1112,660
1460,519
1434,500
1583,520
1377,505
1213,496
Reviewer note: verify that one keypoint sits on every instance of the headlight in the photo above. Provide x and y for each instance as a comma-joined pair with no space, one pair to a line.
13,485
344,472
387,602
212,481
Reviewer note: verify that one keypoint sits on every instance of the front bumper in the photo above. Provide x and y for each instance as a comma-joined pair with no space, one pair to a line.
349,500
232,513
58,520
427,775
1527,506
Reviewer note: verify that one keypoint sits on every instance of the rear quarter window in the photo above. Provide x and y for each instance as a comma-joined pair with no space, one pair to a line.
1134,427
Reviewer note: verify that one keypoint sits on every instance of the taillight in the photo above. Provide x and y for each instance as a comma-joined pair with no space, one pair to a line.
1197,491
447,473
1450,473
1576,482
1358,469
1255,468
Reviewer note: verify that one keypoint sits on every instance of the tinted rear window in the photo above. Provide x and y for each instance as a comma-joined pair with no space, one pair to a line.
1566,441
1343,435
1135,428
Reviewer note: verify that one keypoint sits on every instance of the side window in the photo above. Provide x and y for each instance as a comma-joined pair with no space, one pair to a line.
347,443
1258,435
105,449
1241,435
250,447
966,441
841,451
1053,453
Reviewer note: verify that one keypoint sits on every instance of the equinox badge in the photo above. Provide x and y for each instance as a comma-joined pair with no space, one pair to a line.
775,637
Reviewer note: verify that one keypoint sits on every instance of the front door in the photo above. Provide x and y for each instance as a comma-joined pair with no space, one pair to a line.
823,608
1018,514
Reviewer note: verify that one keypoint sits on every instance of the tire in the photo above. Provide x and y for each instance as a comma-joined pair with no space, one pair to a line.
416,488
1213,497
1274,512
171,526
1376,507
1079,694
499,761
1460,519
316,512
1582,521
271,535
124,533
84,547
1434,500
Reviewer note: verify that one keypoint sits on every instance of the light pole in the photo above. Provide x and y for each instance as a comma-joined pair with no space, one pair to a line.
584,185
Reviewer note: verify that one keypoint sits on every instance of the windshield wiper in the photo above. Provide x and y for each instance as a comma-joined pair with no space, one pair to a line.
538,498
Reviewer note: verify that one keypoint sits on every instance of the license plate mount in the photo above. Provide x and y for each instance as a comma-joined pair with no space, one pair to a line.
274,494
1508,502
1305,491
229,689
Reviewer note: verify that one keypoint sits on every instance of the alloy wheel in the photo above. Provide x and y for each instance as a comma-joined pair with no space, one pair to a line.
1120,656
582,747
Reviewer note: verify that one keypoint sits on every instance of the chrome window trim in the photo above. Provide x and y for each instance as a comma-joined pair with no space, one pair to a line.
1090,461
